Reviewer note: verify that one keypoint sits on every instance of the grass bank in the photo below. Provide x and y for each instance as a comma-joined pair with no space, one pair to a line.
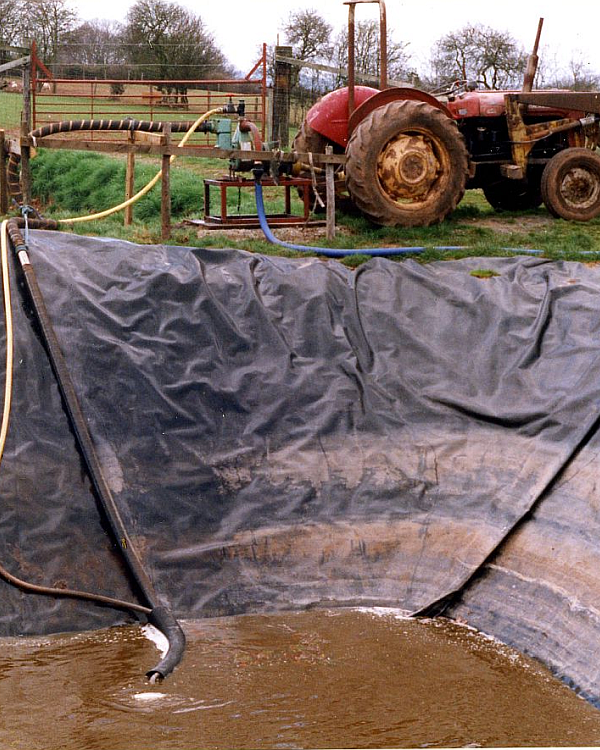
73,183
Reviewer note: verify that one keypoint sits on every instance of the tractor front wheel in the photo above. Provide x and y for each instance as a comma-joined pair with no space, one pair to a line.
407,165
571,184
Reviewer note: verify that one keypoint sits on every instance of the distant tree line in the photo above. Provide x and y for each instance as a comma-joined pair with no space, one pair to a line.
158,40
492,58
161,39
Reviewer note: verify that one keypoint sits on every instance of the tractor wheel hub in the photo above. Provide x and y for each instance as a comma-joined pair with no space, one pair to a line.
407,167
580,187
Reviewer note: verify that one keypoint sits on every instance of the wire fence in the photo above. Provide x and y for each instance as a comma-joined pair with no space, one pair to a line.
11,105
95,92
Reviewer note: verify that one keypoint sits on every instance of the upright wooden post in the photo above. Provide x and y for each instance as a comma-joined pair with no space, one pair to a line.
25,130
165,204
282,83
129,183
3,177
330,193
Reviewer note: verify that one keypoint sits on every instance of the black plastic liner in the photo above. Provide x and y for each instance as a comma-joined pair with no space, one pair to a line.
284,433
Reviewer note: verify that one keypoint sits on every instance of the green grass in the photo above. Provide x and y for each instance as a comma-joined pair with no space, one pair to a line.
68,183
10,110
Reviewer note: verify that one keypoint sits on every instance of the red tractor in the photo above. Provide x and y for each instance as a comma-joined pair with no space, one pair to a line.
410,156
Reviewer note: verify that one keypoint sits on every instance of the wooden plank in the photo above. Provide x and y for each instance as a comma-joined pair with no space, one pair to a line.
121,147
152,138
165,203
15,63
366,78
330,192
25,129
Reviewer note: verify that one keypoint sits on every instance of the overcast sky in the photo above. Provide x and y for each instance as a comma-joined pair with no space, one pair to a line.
570,29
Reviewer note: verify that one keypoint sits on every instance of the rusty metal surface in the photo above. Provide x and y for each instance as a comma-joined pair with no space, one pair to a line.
572,101
223,219
532,61
407,167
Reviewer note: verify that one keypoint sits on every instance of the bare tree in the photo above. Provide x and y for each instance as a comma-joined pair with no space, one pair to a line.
10,22
478,52
309,34
580,75
47,22
94,48
367,46
170,42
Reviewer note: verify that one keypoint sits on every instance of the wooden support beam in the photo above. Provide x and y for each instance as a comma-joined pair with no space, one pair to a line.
165,205
25,129
202,152
330,193
282,84
3,177
15,64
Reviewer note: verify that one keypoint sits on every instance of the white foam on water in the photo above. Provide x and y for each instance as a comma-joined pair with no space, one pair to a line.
398,614
149,696
158,639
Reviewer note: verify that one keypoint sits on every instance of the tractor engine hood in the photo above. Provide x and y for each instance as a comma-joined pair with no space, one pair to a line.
492,104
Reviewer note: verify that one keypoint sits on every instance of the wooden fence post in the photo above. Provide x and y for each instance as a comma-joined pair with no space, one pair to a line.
3,177
129,182
165,204
330,193
25,130
282,83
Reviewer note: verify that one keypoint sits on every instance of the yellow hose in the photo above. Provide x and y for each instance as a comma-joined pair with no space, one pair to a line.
6,280
9,336
150,185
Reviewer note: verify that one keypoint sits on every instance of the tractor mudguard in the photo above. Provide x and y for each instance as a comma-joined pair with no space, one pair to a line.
329,116
391,95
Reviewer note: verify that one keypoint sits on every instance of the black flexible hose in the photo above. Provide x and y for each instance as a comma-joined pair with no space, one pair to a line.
157,614
75,126
107,601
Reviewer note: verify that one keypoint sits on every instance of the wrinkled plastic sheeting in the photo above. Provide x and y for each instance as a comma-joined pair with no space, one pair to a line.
283,433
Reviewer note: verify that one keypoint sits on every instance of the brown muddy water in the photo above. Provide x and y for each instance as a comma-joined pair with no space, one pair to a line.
335,678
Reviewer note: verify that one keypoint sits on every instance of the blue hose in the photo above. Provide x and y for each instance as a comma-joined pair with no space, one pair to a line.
343,253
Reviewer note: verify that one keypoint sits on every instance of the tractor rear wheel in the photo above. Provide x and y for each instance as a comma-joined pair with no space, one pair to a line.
407,164
571,184
514,195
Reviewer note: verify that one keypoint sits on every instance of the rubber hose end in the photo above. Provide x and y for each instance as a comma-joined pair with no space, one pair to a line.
163,619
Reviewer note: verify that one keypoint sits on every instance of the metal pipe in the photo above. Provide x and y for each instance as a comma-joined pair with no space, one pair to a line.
382,46
351,60
532,61
352,48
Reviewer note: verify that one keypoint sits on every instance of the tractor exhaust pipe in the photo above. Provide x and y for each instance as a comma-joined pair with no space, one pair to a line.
532,62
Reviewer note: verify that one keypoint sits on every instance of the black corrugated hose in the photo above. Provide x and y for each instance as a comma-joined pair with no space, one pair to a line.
158,615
